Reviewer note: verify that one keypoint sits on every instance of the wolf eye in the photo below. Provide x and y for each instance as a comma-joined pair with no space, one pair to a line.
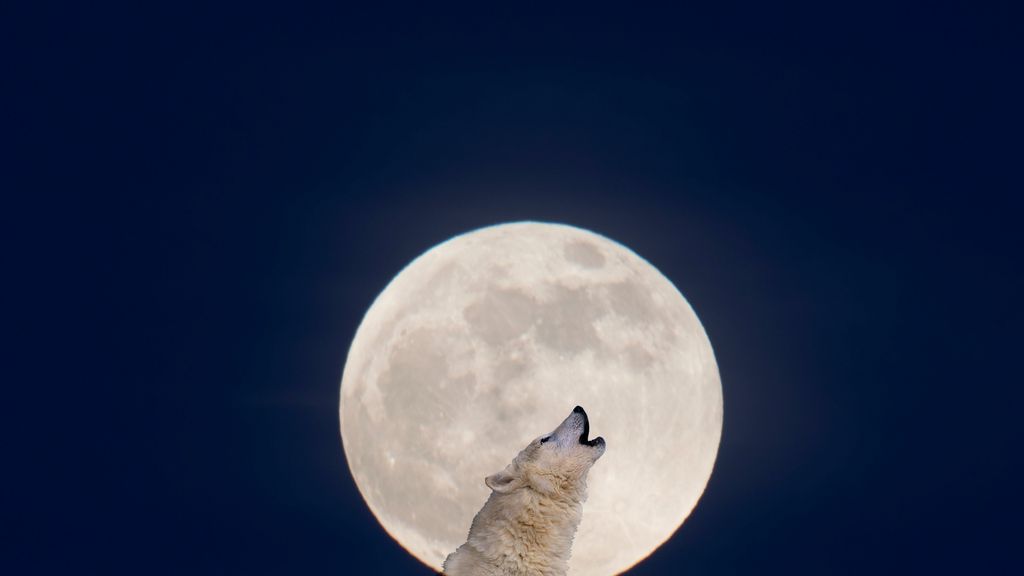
545,439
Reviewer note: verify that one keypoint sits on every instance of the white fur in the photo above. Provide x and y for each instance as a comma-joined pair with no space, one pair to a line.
527,525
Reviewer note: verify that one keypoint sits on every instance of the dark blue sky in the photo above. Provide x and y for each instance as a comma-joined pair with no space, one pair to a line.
205,200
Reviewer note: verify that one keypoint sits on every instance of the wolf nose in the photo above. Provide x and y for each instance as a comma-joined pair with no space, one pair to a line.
578,410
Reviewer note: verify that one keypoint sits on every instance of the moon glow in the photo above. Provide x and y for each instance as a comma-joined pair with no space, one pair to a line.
489,339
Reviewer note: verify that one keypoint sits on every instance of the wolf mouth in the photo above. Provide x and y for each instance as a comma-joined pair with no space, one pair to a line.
586,429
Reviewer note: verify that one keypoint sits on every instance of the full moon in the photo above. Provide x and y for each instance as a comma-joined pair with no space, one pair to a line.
488,340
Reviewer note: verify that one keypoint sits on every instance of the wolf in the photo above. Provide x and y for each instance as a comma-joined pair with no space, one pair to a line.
527,525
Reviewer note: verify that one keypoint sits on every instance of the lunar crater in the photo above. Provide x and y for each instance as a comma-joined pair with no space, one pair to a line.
584,253
500,315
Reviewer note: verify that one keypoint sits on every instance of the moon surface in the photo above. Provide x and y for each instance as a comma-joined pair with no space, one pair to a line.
488,340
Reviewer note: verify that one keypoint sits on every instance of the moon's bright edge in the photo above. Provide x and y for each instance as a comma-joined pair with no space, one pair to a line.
489,339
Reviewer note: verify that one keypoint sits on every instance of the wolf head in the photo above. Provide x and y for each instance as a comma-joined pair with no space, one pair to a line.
554,464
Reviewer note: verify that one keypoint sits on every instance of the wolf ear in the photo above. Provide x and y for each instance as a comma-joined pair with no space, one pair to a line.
503,482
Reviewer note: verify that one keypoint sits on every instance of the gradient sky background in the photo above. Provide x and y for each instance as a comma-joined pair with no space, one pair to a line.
208,200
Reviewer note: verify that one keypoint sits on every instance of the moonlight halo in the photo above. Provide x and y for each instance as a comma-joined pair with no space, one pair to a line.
484,342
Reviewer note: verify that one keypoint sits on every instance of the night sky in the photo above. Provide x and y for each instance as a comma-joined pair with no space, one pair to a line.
203,202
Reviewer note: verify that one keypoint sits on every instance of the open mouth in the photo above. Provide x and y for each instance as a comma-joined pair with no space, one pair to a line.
586,430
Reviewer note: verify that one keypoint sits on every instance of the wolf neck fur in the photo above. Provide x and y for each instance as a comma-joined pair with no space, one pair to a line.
545,524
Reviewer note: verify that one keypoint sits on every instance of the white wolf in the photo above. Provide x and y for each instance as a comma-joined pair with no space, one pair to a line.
527,525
